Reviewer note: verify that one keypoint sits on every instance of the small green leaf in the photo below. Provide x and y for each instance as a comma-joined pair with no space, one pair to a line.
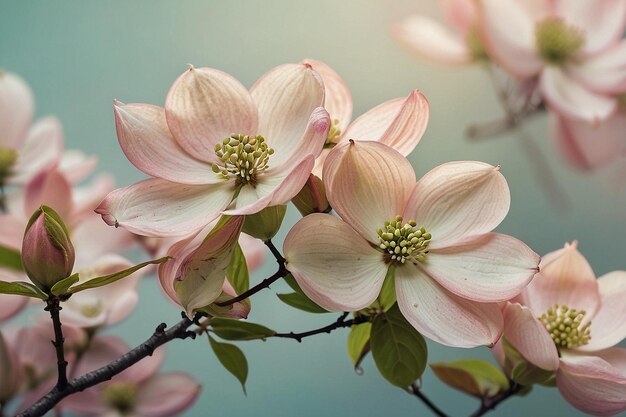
10,259
399,351
22,288
472,376
387,297
359,342
522,371
301,302
291,281
62,286
237,272
232,359
231,329
109,279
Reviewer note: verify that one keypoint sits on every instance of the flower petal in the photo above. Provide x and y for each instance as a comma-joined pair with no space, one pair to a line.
10,305
148,144
608,326
603,73
530,337
52,189
398,123
16,109
155,207
333,265
459,200
367,183
492,268
431,40
592,385
166,394
508,32
75,165
460,14
570,99
286,96
443,316
204,106
338,100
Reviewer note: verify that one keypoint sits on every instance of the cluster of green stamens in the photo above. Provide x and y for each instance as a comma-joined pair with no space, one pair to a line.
92,310
557,41
333,133
8,157
565,326
121,396
242,156
475,46
403,241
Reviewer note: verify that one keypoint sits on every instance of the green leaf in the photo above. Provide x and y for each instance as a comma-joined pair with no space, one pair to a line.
387,297
472,376
399,351
232,359
522,371
62,286
10,259
231,329
22,288
298,298
359,342
237,272
109,279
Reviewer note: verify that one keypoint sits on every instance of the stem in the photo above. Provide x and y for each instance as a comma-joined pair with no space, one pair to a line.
54,307
415,390
491,403
340,323
105,373
275,252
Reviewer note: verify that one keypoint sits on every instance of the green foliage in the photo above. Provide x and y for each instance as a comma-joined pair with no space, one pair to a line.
399,351
64,285
10,259
472,376
232,359
387,297
237,272
359,342
22,288
522,371
298,299
231,329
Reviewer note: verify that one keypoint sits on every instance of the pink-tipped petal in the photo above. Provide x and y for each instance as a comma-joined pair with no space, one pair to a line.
460,14
338,100
442,316
530,337
206,105
166,395
592,385
565,278
570,99
148,144
367,183
508,32
492,268
604,73
601,22
608,326
398,123
431,40
253,249
333,265
458,201
159,208
16,109
52,189
76,165
589,145
40,151
286,96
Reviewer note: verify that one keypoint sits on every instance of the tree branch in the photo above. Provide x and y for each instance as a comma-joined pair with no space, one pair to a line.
340,323
491,403
54,307
105,373
415,390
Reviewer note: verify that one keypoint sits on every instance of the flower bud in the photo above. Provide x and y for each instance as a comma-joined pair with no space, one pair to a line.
312,197
47,252
265,224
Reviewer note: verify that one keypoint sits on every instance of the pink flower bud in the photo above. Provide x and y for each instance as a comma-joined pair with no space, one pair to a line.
312,197
47,252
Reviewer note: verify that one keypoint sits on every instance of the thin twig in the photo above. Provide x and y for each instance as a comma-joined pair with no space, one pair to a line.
54,307
415,390
340,323
491,403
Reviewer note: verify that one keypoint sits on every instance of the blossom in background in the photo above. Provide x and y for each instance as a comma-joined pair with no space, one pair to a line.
10,371
139,391
433,235
567,322
214,144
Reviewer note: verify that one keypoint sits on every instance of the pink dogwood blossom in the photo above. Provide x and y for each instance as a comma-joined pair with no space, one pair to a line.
566,321
217,145
433,235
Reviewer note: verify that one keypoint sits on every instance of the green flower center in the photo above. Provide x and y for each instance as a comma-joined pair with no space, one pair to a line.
333,134
557,42
475,46
403,242
121,396
242,157
565,326
91,310
8,157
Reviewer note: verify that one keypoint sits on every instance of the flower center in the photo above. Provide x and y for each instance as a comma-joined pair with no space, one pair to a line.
621,102
92,310
565,326
403,241
243,157
475,46
8,157
333,134
121,396
556,41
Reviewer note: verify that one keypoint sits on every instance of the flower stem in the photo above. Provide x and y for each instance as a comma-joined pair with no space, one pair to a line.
491,403
415,390
54,307
340,323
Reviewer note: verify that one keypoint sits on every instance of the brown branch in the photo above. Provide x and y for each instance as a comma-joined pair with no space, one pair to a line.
54,307
491,403
415,390
340,323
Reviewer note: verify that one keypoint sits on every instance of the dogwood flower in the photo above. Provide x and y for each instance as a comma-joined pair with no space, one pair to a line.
432,235
572,46
10,371
567,322
214,144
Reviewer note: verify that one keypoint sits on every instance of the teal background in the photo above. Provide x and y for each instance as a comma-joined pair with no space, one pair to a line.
78,56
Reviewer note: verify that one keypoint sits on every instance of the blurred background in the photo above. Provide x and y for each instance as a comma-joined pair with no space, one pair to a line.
78,56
